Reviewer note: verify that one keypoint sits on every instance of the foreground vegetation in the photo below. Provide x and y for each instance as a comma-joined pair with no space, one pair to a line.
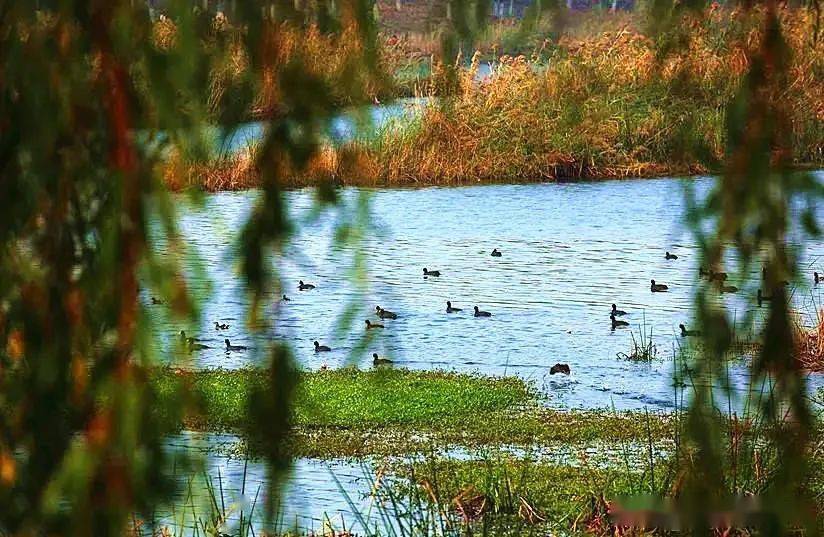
395,411
597,103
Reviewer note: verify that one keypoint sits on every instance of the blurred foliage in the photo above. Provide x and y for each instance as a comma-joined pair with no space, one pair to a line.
94,95
759,215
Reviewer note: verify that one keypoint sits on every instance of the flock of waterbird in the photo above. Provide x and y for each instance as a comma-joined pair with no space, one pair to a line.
385,314
192,344
718,277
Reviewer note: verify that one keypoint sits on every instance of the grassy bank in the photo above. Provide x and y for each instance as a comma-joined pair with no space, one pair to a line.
501,495
607,105
596,103
383,412
507,496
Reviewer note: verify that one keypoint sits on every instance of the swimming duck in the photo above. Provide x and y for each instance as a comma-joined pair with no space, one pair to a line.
496,253
450,309
616,323
385,314
321,348
285,298
195,346
559,368
376,361
762,298
230,347
304,286
156,301
685,332
818,277
184,339
219,326
670,256
617,312
718,276
427,272
369,325
657,287
479,313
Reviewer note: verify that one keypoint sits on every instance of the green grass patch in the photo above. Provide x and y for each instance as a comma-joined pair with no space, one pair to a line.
354,398
349,412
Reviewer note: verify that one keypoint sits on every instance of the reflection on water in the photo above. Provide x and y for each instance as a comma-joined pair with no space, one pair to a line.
315,495
319,495
569,252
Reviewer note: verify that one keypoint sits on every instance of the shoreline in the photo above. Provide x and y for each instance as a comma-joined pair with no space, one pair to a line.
242,180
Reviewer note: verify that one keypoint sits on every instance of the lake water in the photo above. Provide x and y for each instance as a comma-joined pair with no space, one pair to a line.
318,495
569,252
350,123
315,495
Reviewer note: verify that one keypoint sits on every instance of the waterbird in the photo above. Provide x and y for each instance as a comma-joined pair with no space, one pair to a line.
184,338
670,256
376,361
728,289
818,277
450,309
685,332
496,253
427,272
285,298
156,301
616,323
711,274
219,326
559,368
196,346
369,325
762,298
321,348
784,282
617,312
304,286
479,313
718,276
385,314
657,287
230,347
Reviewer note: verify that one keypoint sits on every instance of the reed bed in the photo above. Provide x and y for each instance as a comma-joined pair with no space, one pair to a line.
598,103
333,58
811,346
606,106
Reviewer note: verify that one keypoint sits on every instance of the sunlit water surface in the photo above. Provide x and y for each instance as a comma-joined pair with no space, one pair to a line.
569,252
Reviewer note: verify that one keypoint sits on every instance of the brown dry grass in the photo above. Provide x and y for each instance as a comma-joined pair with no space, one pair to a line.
811,346
335,59
605,106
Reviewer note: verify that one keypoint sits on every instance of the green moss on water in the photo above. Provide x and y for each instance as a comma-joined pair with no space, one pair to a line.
395,411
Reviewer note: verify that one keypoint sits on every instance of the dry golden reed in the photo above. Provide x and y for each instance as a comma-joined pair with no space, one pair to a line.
600,103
